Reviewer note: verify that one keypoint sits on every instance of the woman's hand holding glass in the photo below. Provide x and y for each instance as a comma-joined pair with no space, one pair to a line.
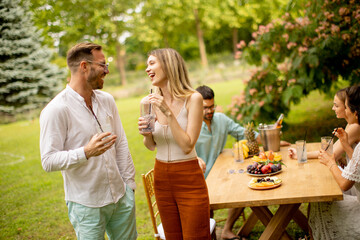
326,159
142,124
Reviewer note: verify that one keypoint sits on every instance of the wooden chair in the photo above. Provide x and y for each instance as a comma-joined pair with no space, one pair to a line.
148,181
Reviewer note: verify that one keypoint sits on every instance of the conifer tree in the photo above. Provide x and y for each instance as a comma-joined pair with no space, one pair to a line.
27,78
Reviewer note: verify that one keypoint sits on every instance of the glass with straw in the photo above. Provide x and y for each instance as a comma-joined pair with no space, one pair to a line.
301,150
147,113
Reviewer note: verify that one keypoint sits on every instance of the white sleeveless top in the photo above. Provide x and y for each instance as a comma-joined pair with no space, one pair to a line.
167,148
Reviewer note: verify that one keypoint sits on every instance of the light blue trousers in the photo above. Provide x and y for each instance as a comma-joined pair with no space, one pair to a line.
117,220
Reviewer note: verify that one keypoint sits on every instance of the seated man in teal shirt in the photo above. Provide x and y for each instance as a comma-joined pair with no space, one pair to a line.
215,129
211,142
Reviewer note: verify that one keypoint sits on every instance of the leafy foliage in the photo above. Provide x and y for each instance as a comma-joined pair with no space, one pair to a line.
27,78
297,54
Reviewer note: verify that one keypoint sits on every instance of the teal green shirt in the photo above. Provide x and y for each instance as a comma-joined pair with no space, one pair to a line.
210,144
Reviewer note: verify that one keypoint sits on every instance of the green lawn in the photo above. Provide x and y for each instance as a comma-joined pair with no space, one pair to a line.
32,201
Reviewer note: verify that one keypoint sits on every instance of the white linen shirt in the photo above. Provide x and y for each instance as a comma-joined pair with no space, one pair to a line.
66,126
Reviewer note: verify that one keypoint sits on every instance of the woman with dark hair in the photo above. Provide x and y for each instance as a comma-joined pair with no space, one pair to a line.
180,187
340,219
353,131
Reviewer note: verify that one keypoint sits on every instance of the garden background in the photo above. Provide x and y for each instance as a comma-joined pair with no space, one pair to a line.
262,58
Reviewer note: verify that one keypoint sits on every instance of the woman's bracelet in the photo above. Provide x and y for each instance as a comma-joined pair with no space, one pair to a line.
332,166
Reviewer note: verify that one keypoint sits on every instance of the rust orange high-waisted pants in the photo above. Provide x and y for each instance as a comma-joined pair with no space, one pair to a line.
182,197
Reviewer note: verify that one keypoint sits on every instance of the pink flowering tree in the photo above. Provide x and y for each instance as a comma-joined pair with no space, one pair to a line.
295,55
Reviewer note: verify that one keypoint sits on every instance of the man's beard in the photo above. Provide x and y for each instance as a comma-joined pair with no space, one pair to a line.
208,117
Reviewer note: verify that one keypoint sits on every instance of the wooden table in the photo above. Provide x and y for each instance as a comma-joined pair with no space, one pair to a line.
302,183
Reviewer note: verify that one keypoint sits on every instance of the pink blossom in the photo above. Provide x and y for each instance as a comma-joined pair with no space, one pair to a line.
286,15
305,21
293,80
291,44
254,35
239,117
329,16
252,91
302,49
285,36
252,42
357,16
289,26
262,29
283,67
313,15
241,44
335,28
269,26
261,103
343,11
239,99
268,88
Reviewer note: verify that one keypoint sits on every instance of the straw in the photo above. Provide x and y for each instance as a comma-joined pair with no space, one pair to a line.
150,103
237,142
304,145
332,137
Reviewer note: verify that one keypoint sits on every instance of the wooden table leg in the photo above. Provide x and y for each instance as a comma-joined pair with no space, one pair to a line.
278,223
301,220
265,216
248,225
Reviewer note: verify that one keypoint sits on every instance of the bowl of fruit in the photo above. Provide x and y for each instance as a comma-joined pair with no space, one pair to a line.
266,168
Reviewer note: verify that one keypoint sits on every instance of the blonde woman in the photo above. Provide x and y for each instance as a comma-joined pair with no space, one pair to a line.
180,188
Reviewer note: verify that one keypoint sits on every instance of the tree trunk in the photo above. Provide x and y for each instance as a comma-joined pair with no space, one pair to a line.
200,37
235,39
120,63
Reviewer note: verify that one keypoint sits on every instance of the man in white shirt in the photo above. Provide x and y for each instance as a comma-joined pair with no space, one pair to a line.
81,135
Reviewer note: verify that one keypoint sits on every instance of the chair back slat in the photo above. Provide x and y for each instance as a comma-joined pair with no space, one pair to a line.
148,181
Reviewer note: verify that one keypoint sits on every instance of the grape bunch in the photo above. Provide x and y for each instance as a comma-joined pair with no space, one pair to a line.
260,180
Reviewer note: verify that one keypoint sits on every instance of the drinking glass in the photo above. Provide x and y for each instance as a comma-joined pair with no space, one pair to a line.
148,114
238,154
301,151
325,143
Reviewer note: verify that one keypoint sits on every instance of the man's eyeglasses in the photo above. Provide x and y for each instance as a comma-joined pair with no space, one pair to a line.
211,108
105,66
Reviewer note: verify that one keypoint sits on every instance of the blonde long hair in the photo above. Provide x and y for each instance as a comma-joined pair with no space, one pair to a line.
175,70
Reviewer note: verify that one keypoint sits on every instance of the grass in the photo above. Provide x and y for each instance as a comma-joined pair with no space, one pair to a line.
32,201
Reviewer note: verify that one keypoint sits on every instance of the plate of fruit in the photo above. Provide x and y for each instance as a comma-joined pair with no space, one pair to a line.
268,155
264,183
266,168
